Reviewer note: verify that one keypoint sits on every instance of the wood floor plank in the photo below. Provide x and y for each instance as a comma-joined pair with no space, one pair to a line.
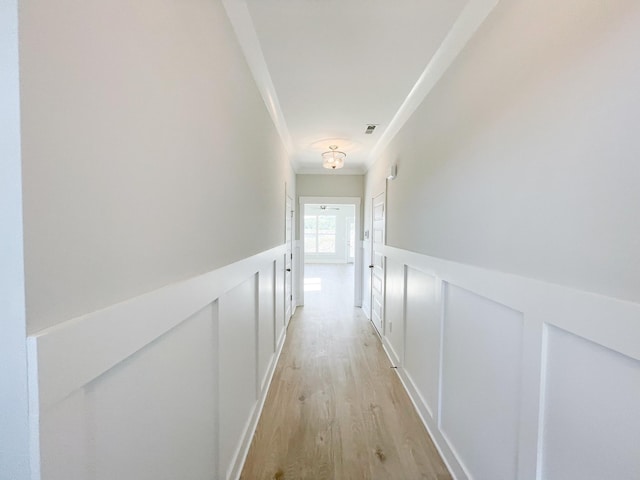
336,409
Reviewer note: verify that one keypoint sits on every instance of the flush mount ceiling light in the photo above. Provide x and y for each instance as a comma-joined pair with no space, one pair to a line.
333,158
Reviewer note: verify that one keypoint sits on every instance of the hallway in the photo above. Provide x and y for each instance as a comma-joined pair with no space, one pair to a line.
157,159
335,409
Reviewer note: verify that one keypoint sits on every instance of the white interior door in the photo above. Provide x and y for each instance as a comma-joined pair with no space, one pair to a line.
288,261
351,240
377,262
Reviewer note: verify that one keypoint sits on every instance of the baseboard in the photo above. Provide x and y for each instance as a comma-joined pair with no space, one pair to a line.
526,345
74,366
448,457
243,448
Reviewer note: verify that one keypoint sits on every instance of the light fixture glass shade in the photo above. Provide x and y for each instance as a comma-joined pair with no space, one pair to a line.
333,159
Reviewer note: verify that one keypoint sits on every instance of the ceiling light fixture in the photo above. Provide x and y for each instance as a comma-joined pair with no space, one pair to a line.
333,158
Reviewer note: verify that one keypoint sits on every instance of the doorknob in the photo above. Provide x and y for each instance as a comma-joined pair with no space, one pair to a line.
370,266
288,269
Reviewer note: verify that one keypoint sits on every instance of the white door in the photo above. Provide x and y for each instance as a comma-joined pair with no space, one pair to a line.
351,240
377,262
288,261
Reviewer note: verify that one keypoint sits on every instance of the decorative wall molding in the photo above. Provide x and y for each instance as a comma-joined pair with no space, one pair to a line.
472,16
91,351
240,18
87,346
494,368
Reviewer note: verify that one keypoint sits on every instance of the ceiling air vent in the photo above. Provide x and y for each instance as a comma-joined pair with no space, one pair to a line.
370,128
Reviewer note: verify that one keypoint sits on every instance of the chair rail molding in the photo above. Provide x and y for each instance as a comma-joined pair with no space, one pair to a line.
489,360
195,357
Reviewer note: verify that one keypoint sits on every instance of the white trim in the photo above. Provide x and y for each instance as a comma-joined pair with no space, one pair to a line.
243,448
14,434
240,18
446,453
65,358
576,311
606,321
88,346
290,215
333,200
473,15
319,170
34,410
356,201
541,403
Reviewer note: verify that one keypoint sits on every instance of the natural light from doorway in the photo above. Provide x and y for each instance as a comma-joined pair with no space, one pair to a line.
312,284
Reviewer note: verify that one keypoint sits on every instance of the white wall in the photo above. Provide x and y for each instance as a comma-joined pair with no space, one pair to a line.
512,240
137,169
515,378
523,158
155,313
14,432
328,186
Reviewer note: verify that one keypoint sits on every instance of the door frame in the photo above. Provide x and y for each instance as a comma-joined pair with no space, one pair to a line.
371,252
356,202
289,304
355,240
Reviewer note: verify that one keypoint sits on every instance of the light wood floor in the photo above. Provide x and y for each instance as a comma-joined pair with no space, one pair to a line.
335,408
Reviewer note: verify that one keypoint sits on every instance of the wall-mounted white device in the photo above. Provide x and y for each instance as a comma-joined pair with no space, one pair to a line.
392,172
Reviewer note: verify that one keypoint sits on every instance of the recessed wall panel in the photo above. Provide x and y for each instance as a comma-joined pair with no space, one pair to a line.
482,349
153,415
422,350
591,411
63,440
394,308
266,326
237,367
279,298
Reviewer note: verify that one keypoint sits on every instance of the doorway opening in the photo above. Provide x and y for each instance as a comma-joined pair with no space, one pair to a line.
329,233
331,249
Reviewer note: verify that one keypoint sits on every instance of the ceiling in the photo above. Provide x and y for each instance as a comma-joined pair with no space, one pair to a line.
329,68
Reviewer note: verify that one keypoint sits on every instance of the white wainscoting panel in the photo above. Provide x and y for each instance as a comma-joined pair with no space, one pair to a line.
516,378
481,382
279,298
167,388
64,446
266,323
237,368
591,411
422,349
393,324
166,385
